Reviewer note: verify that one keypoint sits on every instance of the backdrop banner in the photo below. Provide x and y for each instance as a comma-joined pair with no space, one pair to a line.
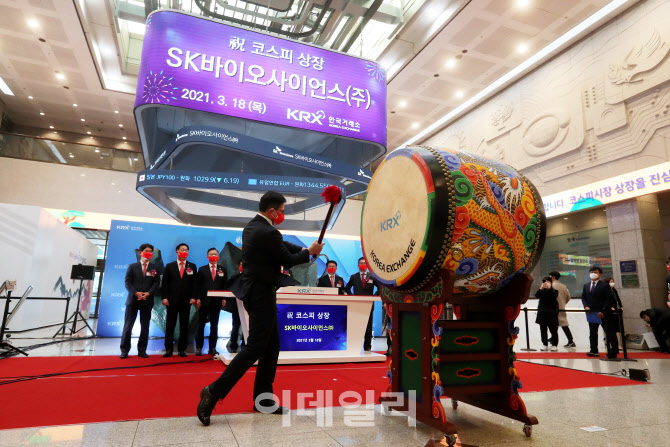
125,237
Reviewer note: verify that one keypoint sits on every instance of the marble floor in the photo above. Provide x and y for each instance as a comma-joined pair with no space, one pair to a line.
630,416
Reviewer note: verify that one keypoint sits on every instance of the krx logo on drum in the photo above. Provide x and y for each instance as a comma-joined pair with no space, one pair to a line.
393,222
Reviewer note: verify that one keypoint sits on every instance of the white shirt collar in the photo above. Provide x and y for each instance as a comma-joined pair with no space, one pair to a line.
211,265
267,219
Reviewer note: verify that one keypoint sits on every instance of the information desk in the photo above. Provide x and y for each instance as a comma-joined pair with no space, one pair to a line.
316,325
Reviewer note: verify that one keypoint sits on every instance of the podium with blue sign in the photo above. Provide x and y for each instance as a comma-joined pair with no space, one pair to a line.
316,325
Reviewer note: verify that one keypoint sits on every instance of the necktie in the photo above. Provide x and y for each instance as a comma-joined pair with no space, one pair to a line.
363,280
213,273
593,285
144,269
332,281
181,269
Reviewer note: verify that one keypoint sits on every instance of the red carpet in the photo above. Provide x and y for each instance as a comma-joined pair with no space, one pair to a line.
172,390
582,355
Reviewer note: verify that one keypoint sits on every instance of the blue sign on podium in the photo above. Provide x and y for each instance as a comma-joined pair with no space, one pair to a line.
312,327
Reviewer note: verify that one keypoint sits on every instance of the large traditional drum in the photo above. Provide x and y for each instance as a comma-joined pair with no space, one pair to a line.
428,209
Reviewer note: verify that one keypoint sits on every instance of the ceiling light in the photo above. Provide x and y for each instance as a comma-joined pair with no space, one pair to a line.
83,175
120,125
88,132
522,3
135,159
517,71
83,119
113,184
124,138
60,76
42,113
415,125
97,150
51,127
33,23
522,48
91,136
459,93
116,111
71,156
74,105
54,131
402,103
451,63
30,97
4,88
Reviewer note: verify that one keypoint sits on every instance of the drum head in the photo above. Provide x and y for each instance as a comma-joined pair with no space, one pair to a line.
395,219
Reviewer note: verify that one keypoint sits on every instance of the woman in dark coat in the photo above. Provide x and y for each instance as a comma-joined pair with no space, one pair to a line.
611,317
547,313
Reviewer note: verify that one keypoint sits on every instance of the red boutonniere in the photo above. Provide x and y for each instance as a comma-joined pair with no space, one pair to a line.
340,284
154,273
219,273
189,271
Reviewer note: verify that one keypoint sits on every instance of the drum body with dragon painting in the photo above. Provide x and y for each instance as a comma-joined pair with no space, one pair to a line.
428,209
449,227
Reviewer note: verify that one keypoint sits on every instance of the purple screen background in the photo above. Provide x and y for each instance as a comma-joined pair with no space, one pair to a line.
361,116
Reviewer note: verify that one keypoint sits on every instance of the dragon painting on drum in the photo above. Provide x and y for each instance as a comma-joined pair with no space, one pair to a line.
450,210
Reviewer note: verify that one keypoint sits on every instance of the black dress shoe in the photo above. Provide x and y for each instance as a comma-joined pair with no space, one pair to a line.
592,354
206,406
212,352
167,354
387,353
267,408
124,355
198,352
182,354
367,348
231,348
143,355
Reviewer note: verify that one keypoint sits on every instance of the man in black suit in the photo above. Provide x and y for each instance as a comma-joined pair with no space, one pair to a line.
263,253
330,279
210,277
179,292
142,281
362,284
597,298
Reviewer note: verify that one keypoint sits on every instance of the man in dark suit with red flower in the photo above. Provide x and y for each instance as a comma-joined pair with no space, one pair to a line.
142,282
179,292
210,277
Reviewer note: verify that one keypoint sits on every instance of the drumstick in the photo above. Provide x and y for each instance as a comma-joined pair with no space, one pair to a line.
331,194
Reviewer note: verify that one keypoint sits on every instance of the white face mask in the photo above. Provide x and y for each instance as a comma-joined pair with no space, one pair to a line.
594,276
612,285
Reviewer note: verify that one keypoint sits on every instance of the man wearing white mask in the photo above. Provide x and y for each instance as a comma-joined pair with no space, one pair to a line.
595,298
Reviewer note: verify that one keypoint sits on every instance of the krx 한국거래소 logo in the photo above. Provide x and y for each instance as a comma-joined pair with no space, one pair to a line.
392,222
307,117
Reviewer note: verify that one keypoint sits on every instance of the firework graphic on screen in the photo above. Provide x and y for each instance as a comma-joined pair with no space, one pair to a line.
158,88
375,70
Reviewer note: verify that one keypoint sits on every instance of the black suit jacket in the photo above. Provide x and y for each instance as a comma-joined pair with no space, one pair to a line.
177,290
205,284
136,282
324,281
264,252
355,285
599,299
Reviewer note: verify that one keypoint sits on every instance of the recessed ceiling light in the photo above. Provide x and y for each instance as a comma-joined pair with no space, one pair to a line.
522,3
97,150
51,127
451,63
113,184
71,156
120,125
91,136
83,119
116,111
33,23
124,138
74,105
135,159
30,97
60,76
42,113
54,131
459,93
83,175
402,103
565,218
415,125
522,48
88,132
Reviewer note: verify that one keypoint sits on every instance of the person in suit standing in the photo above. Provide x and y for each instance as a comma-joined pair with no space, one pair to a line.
330,279
179,292
142,281
263,253
547,313
563,299
361,283
210,277
596,296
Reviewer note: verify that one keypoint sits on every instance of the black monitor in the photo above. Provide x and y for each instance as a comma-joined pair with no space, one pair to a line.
85,272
